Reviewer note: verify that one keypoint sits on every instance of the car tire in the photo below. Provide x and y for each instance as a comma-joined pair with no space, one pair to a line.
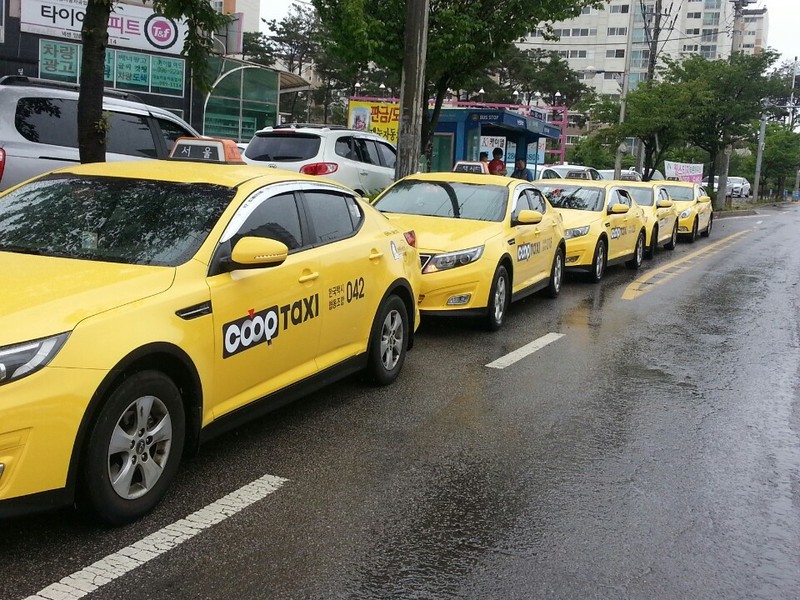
638,253
707,232
138,435
499,299
599,261
673,240
651,250
389,343
556,274
693,234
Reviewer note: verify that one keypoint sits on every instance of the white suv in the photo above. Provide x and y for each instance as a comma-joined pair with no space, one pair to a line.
361,160
39,128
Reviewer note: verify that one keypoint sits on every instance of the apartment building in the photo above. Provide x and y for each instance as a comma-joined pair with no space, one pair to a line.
595,43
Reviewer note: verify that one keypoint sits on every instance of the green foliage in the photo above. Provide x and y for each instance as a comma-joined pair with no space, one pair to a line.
256,48
593,151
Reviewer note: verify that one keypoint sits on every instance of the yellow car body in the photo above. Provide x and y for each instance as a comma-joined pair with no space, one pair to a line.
484,241
660,213
247,315
603,225
695,212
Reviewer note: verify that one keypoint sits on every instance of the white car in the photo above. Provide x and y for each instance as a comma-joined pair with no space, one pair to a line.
361,160
567,171
737,187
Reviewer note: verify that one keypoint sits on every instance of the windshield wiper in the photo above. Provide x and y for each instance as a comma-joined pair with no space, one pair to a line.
20,249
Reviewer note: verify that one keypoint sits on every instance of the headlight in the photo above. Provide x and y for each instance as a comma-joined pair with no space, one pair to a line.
450,260
685,213
23,359
575,232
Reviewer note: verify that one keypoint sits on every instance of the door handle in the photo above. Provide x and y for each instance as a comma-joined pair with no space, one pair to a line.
363,173
375,254
308,277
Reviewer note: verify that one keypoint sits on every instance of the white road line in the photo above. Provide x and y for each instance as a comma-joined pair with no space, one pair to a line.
87,580
512,357
759,222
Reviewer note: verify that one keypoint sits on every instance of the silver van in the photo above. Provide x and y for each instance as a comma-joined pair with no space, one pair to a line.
39,128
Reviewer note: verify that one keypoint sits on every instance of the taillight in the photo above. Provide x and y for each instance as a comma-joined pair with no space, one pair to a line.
2,162
411,238
319,168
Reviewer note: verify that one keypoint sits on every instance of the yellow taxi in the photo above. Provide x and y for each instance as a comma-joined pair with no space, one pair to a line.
603,224
695,212
661,215
147,306
484,240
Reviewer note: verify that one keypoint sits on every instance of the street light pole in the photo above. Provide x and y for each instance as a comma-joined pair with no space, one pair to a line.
623,99
762,132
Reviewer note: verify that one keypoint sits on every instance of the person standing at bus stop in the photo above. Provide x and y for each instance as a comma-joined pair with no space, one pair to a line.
497,165
521,171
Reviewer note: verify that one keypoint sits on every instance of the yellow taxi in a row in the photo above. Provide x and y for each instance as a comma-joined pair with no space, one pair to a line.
695,212
660,214
147,306
484,241
602,222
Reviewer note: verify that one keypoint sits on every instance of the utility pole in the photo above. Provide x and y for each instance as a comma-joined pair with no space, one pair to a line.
623,98
762,132
413,99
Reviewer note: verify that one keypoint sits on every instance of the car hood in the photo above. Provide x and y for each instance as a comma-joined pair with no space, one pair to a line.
578,218
43,296
681,205
442,234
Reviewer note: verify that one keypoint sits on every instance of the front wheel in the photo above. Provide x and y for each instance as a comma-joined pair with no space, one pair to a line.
673,240
638,253
387,348
556,274
693,235
651,251
134,448
707,232
499,297
598,262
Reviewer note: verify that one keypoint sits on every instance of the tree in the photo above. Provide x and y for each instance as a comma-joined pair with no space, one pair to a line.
201,19
463,37
256,48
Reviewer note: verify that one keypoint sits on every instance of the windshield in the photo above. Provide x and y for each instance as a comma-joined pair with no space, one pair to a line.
111,219
643,196
574,196
475,201
283,147
680,193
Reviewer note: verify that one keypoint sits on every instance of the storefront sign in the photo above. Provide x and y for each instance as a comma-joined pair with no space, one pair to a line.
382,118
59,61
129,26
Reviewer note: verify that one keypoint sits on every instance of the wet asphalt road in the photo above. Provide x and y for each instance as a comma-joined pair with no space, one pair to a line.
652,452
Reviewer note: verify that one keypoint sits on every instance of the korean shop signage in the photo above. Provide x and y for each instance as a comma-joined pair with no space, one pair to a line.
129,26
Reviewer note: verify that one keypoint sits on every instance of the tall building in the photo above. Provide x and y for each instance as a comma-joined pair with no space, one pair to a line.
595,43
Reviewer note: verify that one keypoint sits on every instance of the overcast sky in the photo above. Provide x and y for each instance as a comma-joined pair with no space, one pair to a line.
783,34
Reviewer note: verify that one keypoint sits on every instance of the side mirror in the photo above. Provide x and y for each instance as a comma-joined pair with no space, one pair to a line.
257,253
704,199
528,217
665,204
618,209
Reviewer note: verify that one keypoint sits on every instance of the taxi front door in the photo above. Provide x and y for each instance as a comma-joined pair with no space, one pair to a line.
622,235
266,321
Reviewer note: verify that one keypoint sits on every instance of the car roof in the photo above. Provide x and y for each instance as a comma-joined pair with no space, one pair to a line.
454,177
192,172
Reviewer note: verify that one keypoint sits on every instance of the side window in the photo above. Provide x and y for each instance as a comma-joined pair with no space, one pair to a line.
624,198
276,218
344,148
171,132
521,203
618,197
131,135
548,174
663,195
330,215
388,155
51,121
368,151
536,200
595,175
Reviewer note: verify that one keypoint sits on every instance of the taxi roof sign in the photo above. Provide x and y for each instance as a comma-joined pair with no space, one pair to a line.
210,150
470,166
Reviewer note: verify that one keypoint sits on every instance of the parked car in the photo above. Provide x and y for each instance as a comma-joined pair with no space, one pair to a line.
484,240
567,171
150,306
603,225
361,160
624,175
696,214
39,128
661,215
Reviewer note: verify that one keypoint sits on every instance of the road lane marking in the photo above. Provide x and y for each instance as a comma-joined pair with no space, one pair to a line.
113,566
645,283
512,357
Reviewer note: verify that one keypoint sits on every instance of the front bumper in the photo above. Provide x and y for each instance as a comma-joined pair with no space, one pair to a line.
686,224
39,420
580,252
463,290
